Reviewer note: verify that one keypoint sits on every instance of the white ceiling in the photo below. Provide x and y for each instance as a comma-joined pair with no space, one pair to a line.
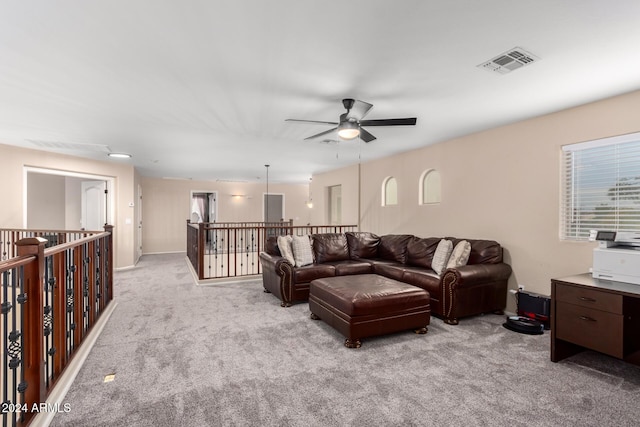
201,89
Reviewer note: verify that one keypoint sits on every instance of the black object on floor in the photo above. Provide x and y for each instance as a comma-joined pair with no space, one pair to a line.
524,325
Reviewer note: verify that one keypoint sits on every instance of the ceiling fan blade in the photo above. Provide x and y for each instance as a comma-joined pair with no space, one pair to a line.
366,136
315,122
321,134
409,121
359,110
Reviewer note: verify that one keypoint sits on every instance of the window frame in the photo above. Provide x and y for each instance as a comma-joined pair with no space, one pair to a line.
385,191
588,198
423,185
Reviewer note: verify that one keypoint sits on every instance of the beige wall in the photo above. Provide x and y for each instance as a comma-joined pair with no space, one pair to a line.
13,160
166,207
347,178
502,184
47,201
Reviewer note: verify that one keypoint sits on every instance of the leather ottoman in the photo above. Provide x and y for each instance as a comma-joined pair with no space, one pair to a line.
365,305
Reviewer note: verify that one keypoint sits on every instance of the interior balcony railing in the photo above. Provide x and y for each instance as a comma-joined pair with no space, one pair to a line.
8,238
231,249
50,298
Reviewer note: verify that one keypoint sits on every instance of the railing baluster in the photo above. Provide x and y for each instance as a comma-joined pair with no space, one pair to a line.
232,249
50,298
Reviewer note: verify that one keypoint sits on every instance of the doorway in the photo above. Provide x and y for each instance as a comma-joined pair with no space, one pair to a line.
60,200
335,205
203,206
139,221
273,207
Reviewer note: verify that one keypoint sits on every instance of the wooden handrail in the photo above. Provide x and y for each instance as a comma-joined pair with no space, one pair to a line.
229,250
50,300
64,246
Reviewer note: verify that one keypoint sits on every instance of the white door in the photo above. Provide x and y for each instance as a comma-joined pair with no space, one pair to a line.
93,205
139,220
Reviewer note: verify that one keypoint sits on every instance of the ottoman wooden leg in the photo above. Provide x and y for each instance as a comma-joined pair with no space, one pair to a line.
355,343
421,331
314,316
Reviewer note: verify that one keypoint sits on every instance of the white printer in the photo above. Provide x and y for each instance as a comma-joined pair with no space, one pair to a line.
617,256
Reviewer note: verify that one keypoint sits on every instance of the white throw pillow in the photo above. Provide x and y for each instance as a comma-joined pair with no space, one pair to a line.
460,254
286,248
302,251
441,257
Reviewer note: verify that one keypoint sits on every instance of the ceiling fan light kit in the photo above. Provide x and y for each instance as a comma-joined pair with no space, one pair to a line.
350,124
348,130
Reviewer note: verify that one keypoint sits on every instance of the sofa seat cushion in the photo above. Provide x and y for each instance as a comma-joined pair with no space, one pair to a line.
392,271
368,294
311,272
425,279
344,268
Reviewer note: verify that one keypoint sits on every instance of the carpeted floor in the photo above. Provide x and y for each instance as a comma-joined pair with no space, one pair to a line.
228,354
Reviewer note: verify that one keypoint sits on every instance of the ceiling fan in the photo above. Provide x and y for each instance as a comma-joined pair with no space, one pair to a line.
350,124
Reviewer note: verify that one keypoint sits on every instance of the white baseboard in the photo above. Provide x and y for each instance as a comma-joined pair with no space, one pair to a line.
161,253
220,280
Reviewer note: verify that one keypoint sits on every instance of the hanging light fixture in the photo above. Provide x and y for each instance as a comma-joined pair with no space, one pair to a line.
266,200
309,199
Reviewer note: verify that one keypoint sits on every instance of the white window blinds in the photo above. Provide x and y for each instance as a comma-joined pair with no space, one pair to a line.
601,186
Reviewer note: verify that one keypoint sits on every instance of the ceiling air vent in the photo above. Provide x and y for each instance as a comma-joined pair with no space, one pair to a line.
510,60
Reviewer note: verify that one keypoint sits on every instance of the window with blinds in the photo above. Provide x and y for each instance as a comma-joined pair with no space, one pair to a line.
601,186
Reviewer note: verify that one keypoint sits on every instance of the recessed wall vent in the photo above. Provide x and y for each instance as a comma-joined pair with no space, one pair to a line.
509,61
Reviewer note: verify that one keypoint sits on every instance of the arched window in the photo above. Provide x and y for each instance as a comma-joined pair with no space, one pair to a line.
430,187
389,191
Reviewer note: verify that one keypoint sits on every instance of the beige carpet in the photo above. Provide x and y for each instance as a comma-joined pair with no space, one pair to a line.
228,354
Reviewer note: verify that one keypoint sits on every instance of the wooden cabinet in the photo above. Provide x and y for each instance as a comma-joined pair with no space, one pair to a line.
595,314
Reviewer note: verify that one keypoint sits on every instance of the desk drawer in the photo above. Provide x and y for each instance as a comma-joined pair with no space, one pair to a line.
587,327
590,298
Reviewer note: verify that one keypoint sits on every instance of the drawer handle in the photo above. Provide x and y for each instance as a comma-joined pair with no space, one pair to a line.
588,319
587,299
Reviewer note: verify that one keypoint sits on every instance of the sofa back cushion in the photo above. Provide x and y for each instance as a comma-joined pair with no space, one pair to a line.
329,247
301,247
482,251
271,246
393,247
362,244
285,244
420,251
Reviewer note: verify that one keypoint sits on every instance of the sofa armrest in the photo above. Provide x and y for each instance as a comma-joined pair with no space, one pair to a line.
273,263
473,289
277,277
476,274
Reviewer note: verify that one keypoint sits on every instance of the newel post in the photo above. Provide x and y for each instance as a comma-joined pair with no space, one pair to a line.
33,362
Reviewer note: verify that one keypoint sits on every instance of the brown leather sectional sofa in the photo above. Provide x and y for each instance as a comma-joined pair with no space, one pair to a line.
478,287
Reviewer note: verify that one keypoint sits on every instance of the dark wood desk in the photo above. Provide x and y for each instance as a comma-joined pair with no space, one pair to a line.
595,314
